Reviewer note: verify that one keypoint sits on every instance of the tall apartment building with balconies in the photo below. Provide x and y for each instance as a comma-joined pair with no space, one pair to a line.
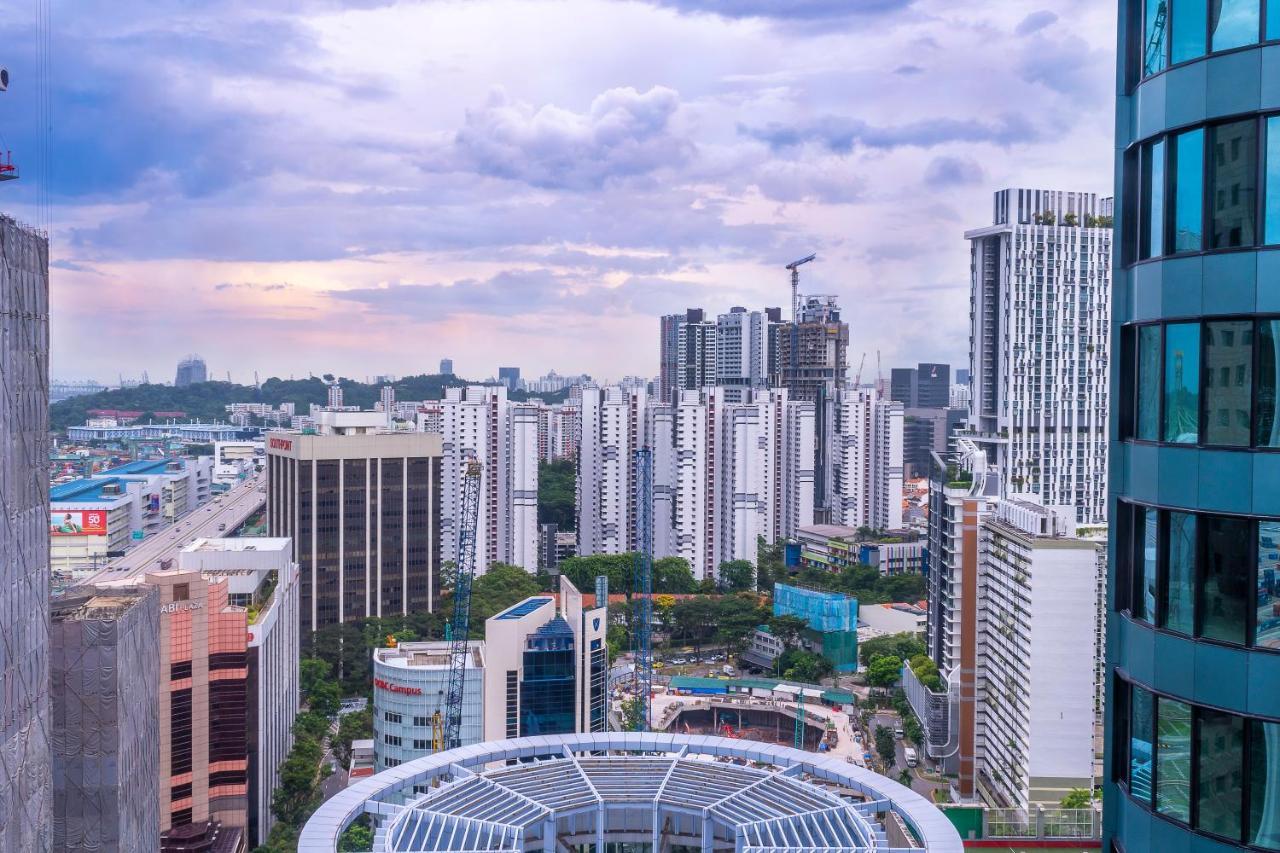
1039,344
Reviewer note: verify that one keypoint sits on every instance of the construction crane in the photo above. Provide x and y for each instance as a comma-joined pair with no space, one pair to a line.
800,719
642,581
794,266
879,378
461,624
1153,56
857,377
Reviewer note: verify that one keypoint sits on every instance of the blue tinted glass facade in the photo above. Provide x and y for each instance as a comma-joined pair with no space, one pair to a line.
547,692
1193,628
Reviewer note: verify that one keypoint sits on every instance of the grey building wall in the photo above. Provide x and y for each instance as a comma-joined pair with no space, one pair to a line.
26,798
106,740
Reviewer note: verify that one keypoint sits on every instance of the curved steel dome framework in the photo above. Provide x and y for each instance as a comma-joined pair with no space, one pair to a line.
668,791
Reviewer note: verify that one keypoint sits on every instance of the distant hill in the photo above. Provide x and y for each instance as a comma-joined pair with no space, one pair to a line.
207,401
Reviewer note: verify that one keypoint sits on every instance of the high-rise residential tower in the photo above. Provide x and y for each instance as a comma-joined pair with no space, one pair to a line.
868,461
612,429
687,353
741,353
1193,645
26,793
1039,344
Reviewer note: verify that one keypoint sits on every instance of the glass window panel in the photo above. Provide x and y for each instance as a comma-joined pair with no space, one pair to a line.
1141,736
1264,785
1144,597
1182,382
1155,24
1152,237
1220,783
1267,429
1233,23
1188,191
1173,759
1149,383
1273,19
1268,631
1271,221
1228,385
1188,30
1227,577
1233,189
1180,586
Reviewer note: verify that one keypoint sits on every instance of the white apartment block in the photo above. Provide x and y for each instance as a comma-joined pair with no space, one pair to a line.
1039,345
479,423
799,444
612,427
740,342
559,431
1037,654
867,456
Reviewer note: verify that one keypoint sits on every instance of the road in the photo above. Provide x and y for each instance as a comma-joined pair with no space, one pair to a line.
216,518
919,784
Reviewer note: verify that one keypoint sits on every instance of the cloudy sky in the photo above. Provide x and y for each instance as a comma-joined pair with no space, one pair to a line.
366,187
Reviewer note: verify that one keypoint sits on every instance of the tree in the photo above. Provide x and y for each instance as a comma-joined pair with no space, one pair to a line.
736,618
801,665
885,747
312,672
737,576
501,586
631,709
903,646
770,564
884,671
356,726
1077,798
787,628
673,575
358,837
557,489
693,620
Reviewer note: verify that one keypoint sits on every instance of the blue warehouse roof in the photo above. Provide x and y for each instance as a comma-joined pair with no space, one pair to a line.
85,491
142,466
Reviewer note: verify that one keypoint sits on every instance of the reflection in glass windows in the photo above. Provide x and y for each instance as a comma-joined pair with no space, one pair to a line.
1267,427
1188,191
1149,383
1273,20
1180,574
1182,383
1228,380
1233,23
1173,759
1189,26
1268,621
1272,179
1233,183
1152,215
1154,28
1264,784
1226,577
1141,737
1144,594
1219,779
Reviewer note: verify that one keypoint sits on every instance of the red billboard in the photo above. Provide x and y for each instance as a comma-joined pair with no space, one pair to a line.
78,522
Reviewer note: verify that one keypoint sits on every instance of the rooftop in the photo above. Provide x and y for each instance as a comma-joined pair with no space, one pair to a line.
830,531
145,466
430,654
86,491
504,795
525,607
241,543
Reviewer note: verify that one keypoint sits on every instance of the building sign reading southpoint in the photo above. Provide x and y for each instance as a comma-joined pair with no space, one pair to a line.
397,688
280,443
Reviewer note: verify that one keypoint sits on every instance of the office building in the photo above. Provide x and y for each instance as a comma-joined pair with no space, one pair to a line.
902,385
741,353
933,385
546,667
1193,759
925,432
867,457
97,516
234,461
362,508
262,579
510,377
478,422
612,429
446,367
609,789
410,687
687,353
191,370
1037,654
105,681
26,794
962,376
1039,345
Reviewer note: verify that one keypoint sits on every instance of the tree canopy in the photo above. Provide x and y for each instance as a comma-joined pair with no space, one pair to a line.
557,488
864,583
670,574
901,646
737,576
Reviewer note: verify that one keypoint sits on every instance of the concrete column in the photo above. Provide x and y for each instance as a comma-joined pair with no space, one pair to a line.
600,817
708,837
549,834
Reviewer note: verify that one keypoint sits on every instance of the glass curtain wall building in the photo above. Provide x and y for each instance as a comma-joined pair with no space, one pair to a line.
1193,747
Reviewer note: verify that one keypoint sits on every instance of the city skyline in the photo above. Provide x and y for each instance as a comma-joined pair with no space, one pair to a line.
298,202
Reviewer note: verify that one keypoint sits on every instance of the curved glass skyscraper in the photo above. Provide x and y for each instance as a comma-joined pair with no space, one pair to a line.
1193,749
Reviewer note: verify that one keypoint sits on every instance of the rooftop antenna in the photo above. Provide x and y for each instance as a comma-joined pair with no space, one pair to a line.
794,266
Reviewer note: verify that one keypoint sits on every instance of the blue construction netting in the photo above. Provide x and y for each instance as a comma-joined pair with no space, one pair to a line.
823,611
